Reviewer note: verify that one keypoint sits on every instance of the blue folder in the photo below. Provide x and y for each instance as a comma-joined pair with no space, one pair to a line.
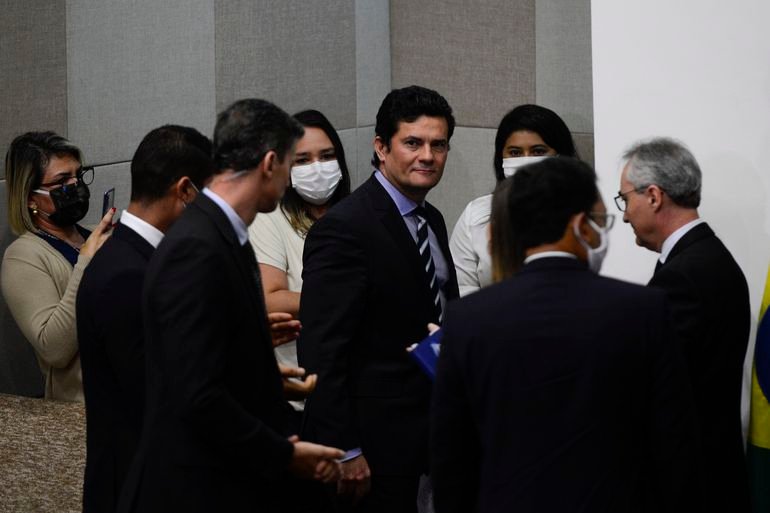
426,353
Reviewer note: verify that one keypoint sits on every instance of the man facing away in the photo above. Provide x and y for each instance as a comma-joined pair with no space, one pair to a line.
170,165
377,270
660,191
558,389
214,436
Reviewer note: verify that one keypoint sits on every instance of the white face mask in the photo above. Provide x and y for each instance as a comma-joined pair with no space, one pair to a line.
510,165
317,181
595,255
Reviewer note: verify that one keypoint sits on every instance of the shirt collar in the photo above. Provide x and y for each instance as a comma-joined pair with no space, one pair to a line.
145,230
548,254
405,205
241,230
672,239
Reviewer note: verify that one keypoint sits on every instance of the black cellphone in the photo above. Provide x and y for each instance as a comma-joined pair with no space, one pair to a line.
109,201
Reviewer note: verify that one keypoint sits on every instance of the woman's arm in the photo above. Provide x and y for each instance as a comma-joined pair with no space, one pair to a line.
278,298
46,318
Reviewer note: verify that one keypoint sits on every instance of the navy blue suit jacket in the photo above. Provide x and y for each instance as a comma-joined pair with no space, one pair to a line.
560,390
111,340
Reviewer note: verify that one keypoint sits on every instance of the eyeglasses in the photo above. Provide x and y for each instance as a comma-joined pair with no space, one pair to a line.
620,200
603,219
84,174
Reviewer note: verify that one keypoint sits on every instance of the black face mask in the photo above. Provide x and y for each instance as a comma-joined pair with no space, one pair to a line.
71,202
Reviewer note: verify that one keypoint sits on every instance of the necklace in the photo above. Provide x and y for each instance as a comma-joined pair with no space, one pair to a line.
54,237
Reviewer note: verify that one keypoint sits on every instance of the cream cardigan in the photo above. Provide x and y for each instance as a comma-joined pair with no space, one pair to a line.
40,286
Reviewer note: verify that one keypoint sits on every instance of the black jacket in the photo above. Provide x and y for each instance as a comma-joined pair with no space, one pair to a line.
111,340
214,432
365,298
560,390
709,301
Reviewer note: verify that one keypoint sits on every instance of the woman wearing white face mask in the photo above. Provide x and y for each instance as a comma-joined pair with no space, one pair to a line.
527,134
319,179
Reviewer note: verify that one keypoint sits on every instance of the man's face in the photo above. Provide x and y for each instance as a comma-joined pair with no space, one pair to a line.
639,213
274,188
415,160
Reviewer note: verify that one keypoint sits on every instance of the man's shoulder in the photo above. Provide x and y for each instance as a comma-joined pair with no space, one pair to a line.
515,293
704,255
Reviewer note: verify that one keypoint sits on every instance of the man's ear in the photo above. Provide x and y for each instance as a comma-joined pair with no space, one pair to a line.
267,166
581,220
380,148
183,189
654,197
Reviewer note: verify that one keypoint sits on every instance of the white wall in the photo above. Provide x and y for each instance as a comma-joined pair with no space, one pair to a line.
698,71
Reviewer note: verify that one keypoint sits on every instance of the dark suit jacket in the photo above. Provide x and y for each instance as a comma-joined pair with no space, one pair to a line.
214,431
111,339
711,315
365,298
560,390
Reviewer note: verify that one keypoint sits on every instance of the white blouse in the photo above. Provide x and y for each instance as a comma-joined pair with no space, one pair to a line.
469,245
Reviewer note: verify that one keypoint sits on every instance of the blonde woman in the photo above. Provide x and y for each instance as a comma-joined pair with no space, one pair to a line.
41,270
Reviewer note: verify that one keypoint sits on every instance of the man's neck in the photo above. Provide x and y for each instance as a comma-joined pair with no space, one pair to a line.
152,213
672,220
231,192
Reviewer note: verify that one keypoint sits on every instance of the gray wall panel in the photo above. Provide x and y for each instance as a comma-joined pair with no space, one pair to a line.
134,66
585,146
468,173
105,177
365,137
33,69
564,80
372,57
349,142
479,55
294,53
19,371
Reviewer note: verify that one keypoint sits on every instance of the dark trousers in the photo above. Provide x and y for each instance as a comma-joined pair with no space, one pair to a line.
388,494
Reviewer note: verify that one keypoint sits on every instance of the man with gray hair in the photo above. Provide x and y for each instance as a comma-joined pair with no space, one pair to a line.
660,191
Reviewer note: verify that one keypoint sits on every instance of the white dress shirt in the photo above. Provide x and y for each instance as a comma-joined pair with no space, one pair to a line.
672,239
469,245
145,230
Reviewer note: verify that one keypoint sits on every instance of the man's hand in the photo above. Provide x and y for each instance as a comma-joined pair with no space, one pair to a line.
294,390
356,478
283,327
313,461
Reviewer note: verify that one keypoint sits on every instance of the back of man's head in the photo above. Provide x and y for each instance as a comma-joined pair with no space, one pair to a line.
535,205
668,164
406,105
164,156
247,130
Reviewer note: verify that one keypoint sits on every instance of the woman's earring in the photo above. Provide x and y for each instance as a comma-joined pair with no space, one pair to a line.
33,208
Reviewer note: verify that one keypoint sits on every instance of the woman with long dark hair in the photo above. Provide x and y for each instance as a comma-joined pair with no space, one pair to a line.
527,134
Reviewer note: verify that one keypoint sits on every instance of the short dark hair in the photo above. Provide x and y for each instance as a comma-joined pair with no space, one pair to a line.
247,130
534,206
407,104
544,122
165,155
292,204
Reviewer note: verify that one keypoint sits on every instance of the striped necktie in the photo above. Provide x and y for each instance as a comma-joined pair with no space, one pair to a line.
423,244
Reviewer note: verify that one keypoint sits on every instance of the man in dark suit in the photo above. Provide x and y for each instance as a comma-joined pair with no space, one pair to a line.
660,191
169,167
377,270
558,389
214,435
